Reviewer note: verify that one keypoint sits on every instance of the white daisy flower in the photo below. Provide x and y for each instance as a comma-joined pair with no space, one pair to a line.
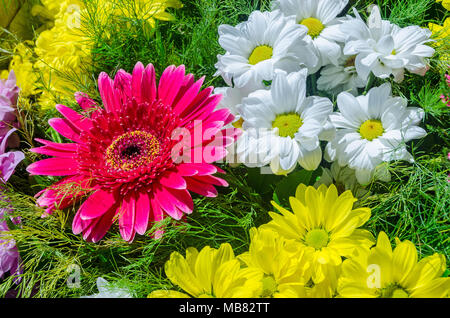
232,98
320,17
384,48
266,42
372,129
282,127
219,66
341,78
345,179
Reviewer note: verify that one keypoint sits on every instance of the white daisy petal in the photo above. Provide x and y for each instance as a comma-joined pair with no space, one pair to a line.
351,109
328,10
310,160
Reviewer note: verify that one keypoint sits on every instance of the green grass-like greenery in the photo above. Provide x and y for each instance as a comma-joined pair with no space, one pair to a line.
412,206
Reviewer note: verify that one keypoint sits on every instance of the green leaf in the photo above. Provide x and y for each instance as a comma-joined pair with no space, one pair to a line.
286,187
262,183
275,198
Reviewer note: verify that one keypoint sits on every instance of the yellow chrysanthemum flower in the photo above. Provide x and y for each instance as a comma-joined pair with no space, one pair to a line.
381,272
22,65
150,10
441,34
325,224
63,52
445,3
283,266
210,273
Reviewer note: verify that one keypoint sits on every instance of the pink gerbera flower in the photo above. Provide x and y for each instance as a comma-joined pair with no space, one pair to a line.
125,157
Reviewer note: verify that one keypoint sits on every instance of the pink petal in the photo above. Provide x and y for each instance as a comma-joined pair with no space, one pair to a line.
188,96
85,101
167,202
56,149
212,153
127,217
212,180
173,180
97,204
79,225
170,84
79,121
105,87
219,115
54,167
149,84
65,128
203,110
142,212
157,212
204,189
182,199
95,229
122,84
136,81
202,168
199,100
101,227
186,170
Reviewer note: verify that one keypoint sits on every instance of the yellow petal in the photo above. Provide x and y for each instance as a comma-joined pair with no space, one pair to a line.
437,288
380,262
179,272
167,294
426,270
300,193
404,259
302,214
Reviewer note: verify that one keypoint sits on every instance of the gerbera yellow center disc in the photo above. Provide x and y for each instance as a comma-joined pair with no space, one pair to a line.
132,150
371,129
314,26
287,124
260,53
317,238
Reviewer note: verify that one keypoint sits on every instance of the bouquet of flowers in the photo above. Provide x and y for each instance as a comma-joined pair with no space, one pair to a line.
227,149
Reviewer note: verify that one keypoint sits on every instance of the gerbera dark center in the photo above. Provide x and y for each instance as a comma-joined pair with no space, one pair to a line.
132,150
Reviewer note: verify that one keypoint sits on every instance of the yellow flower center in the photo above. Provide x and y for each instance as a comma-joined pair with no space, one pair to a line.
132,150
260,53
371,129
238,123
317,238
314,26
393,52
394,291
400,293
270,286
287,124
350,61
